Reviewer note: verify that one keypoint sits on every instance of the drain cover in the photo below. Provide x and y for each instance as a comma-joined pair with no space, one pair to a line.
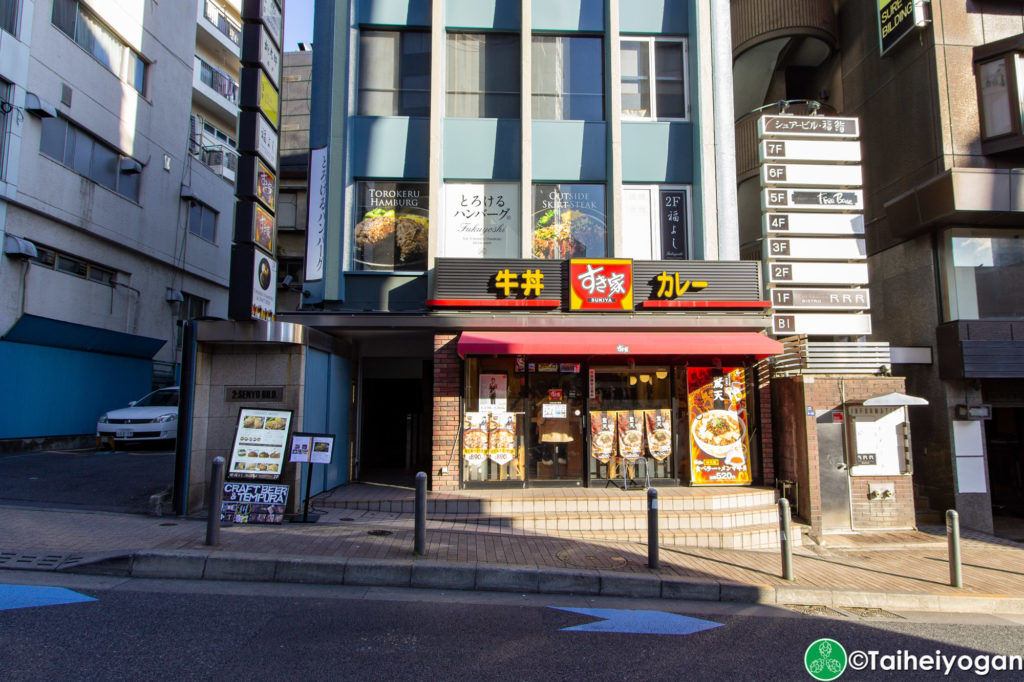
38,561
378,532
816,610
581,558
872,613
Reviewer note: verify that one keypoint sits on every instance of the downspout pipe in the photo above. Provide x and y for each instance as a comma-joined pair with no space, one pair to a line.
183,443
725,131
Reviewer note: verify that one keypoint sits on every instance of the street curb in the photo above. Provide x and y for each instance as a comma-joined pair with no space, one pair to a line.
430,574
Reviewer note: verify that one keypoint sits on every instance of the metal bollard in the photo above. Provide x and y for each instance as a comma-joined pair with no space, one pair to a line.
420,543
956,578
785,521
216,495
652,528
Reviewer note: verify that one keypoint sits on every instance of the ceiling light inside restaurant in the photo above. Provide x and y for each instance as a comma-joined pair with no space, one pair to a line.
632,381
661,373
646,378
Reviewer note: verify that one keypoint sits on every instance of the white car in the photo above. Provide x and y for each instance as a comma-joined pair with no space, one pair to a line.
153,417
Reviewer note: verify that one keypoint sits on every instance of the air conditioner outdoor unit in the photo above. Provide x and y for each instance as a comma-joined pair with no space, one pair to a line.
223,162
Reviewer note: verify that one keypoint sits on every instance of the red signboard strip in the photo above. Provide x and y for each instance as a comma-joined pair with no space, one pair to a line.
492,303
706,304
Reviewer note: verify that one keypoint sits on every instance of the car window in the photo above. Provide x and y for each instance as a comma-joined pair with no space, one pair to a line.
159,399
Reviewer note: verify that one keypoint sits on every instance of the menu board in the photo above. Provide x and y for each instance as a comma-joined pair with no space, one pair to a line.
603,427
312,447
253,502
717,400
631,435
261,437
658,425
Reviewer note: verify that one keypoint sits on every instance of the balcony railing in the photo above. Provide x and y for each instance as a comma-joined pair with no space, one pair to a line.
223,23
826,357
223,84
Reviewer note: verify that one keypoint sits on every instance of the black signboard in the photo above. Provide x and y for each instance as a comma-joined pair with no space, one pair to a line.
253,502
897,19
673,225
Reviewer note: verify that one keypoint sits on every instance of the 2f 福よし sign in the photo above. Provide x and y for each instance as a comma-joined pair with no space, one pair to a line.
601,284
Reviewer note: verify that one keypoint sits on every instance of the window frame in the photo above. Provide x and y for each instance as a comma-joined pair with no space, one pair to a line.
15,7
51,258
449,93
534,94
654,227
398,91
70,147
203,210
653,79
129,59
1010,51
954,306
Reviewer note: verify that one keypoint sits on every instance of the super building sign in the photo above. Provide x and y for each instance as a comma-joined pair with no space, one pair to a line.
897,19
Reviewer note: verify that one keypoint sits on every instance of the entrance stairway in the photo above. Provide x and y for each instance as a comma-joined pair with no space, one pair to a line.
718,518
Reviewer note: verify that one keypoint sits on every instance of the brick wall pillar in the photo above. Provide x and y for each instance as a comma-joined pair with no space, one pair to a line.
764,390
446,457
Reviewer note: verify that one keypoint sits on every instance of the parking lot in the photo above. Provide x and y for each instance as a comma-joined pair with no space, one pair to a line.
88,479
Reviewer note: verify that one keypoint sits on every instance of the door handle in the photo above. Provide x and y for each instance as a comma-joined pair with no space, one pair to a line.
842,466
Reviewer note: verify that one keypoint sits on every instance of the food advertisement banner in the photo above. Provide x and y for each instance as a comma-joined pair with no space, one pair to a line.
481,220
253,503
602,284
501,438
261,437
658,425
569,221
392,226
719,453
631,435
474,438
603,431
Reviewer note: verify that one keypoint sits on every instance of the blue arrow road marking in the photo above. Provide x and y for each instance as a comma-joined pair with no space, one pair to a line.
27,596
638,622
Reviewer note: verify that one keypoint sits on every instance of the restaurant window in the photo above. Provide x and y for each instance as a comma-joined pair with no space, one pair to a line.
568,78
481,220
77,149
394,73
656,221
999,77
980,270
483,75
569,221
9,16
495,432
202,221
80,24
392,226
653,78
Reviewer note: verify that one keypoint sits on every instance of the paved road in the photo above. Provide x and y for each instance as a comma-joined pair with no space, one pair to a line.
139,629
97,480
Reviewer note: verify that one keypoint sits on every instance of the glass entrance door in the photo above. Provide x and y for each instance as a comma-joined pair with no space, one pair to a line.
556,422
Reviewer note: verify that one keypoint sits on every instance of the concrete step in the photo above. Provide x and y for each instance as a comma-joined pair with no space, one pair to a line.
630,520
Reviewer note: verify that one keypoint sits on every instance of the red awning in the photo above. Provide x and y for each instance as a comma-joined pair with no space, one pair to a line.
618,343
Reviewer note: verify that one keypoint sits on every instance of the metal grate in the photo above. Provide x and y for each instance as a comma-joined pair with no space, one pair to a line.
30,561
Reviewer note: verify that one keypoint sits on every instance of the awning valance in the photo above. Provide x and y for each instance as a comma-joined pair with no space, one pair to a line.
618,343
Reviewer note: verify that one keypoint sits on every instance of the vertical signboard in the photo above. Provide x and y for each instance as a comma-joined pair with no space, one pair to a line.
813,225
316,230
673,225
719,451
253,292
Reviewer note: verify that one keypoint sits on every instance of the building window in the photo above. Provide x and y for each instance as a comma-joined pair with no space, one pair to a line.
72,265
655,220
653,78
981,268
80,24
392,226
9,16
394,73
291,210
999,76
202,221
569,221
481,220
192,308
568,78
483,75
80,151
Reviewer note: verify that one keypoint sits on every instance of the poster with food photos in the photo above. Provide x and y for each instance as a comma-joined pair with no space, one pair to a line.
658,426
717,399
474,438
501,438
631,434
261,439
603,428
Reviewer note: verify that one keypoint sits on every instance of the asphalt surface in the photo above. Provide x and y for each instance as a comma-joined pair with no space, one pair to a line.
137,629
87,479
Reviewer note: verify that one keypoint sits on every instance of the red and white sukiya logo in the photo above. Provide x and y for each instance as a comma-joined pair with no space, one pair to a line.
601,284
